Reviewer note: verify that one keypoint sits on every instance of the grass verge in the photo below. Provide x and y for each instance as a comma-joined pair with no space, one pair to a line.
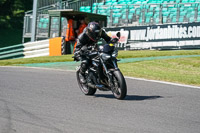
44,59
150,53
182,70
122,54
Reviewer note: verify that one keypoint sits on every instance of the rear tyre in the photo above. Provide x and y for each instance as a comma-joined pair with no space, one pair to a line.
84,88
120,89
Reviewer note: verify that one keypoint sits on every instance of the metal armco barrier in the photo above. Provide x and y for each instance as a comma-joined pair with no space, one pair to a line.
26,50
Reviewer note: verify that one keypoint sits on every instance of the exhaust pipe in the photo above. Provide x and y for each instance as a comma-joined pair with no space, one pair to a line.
91,85
100,87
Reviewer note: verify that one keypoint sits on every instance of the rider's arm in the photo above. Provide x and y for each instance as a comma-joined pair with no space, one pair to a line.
105,36
81,41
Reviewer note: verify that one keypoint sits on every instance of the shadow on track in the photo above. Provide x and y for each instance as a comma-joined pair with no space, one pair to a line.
130,97
140,98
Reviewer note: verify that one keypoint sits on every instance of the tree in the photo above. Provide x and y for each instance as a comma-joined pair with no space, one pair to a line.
12,13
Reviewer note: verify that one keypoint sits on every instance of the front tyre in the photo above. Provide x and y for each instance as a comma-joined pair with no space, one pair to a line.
84,88
120,89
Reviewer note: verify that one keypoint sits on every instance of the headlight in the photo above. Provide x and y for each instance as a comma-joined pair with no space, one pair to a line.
105,56
115,53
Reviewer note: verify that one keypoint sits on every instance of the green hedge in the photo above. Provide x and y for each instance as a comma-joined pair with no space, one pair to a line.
9,37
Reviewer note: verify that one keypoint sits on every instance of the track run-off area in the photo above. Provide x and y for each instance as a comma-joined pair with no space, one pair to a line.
50,101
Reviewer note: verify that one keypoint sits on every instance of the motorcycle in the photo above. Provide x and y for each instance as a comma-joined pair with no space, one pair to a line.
103,73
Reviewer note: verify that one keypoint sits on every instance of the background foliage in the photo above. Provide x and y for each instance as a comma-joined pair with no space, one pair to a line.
12,13
11,20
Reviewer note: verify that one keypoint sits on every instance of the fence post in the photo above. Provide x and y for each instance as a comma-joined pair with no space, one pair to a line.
34,20
127,12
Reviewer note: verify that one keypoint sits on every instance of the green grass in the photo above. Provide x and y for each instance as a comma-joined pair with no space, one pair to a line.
122,54
182,70
44,59
149,53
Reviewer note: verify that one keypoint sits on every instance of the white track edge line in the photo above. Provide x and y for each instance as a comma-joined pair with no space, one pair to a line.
163,82
42,68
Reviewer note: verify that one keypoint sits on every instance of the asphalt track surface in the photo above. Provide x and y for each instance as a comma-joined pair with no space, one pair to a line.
50,101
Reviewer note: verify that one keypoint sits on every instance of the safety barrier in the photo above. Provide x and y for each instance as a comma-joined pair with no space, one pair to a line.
26,50
163,37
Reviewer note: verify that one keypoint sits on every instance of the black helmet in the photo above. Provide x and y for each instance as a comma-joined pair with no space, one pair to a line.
93,31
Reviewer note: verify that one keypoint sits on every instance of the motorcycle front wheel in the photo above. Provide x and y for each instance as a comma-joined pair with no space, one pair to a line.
120,89
84,88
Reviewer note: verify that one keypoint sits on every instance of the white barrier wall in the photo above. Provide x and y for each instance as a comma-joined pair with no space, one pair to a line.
26,50
36,49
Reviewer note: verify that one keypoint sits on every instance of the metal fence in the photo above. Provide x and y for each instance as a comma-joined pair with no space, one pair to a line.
118,15
42,16
42,22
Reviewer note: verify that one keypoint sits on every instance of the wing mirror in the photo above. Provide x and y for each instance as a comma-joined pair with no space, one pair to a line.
118,35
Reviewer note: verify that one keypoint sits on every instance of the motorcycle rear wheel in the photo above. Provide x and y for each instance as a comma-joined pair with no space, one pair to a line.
120,88
84,88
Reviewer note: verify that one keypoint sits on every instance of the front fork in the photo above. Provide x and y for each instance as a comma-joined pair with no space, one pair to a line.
109,73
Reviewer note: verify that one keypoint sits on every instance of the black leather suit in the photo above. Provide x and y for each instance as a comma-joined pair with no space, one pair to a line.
84,40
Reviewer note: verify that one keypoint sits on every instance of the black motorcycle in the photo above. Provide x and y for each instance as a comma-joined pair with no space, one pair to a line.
103,73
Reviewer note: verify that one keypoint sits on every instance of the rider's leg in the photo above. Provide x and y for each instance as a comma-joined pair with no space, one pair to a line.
84,67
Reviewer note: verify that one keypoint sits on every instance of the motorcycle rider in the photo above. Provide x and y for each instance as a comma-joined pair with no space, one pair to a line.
90,36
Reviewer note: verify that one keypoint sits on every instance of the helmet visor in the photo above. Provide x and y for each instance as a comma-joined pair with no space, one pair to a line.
95,35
